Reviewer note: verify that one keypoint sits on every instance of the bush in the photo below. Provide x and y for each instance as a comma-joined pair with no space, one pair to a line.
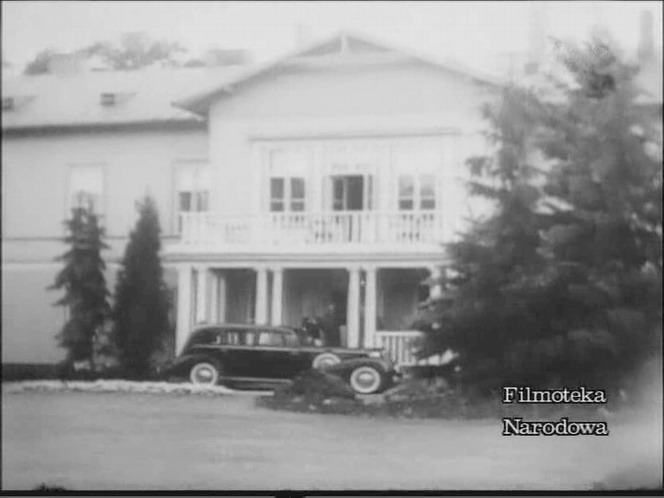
314,385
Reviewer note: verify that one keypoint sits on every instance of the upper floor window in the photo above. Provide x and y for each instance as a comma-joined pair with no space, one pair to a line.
287,194
418,165
86,186
287,180
193,188
417,192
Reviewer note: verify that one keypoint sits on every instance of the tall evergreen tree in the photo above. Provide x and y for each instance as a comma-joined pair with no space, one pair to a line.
84,284
141,304
605,251
570,294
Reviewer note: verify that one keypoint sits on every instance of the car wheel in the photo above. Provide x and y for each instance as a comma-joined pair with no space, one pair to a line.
204,373
325,360
366,380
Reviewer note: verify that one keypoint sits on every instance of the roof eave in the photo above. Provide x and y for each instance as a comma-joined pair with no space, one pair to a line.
200,102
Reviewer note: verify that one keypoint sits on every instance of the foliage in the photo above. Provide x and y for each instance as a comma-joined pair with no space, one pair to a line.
142,304
562,284
82,279
41,64
134,51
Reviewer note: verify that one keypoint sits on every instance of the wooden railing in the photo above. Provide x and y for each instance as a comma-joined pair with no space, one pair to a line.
399,346
328,228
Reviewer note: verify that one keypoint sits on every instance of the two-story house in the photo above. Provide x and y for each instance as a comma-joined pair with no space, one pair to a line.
328,176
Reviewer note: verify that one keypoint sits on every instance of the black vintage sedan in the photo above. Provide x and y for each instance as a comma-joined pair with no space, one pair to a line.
266,356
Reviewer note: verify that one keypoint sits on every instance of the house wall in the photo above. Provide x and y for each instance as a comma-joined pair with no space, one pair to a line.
408,100
34,197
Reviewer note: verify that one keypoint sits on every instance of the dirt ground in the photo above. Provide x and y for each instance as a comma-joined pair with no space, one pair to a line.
107,441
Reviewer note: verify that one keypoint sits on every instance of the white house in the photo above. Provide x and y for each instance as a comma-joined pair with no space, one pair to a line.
331,175
328,176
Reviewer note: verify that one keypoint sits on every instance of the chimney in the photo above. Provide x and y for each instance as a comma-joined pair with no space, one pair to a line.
646,38
536,38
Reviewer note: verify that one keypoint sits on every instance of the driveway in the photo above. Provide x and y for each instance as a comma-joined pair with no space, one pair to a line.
120,441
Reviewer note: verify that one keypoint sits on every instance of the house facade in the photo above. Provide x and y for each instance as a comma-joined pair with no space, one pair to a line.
330,176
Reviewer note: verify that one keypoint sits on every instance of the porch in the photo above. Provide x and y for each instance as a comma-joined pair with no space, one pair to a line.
376,306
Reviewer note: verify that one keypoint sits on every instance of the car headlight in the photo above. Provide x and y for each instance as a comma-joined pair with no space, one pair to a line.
376,354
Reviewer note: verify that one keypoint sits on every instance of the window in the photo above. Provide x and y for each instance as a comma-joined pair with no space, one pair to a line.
271,339
418,162
86,186
193,184
417,192
287,179
287,194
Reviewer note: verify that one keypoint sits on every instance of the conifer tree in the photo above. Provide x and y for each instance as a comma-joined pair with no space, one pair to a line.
141,304
562,284
82,279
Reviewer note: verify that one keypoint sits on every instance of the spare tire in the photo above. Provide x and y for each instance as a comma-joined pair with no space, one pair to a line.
367,380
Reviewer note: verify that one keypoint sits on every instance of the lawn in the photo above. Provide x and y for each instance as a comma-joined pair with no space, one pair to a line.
122,441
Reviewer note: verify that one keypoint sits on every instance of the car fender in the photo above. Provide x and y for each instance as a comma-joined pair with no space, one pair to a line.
347,366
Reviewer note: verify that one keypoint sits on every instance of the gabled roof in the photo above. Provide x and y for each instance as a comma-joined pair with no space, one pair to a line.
329,49
139,97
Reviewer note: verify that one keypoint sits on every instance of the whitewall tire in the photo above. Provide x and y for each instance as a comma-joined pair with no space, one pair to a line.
325,360
366,380
204,374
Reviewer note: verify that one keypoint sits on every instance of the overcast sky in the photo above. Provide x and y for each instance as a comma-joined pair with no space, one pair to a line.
463,30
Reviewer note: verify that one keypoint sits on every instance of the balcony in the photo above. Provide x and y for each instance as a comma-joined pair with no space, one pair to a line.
315,231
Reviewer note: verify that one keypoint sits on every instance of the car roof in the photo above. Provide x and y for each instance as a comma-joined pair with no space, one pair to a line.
237,327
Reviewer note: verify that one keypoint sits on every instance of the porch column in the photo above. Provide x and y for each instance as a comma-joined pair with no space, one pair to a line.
261,296
353,308
221,297
369,307
277,295
184,307
201,294
214,298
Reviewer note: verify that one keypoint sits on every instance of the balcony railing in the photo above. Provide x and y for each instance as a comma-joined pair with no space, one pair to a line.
313,229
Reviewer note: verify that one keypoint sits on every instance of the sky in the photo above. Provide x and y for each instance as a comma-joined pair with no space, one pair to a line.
467,31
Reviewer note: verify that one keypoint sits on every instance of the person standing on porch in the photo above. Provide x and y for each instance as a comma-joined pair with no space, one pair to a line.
330,325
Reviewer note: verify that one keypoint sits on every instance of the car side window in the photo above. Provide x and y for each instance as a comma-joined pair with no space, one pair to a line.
234,338
271,339
206,336
251,338
291,340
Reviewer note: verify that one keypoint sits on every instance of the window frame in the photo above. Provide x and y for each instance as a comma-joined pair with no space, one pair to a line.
417,198
199,197
287,200
100,206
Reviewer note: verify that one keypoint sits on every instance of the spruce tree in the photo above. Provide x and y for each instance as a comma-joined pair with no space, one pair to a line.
82,279
562,284
141,304
605,251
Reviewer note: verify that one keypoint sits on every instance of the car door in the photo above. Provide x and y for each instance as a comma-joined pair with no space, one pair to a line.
279,355
240,357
